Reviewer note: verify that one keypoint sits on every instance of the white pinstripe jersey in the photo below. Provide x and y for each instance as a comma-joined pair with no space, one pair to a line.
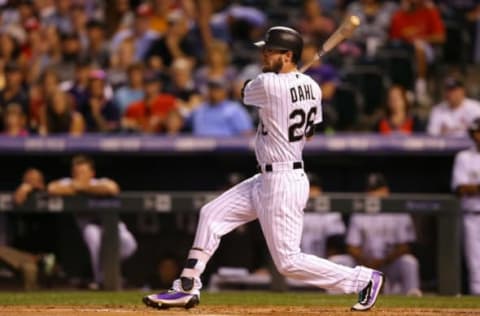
289,105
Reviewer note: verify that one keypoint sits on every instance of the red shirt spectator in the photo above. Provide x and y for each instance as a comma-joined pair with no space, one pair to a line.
423,22
386,127
150,115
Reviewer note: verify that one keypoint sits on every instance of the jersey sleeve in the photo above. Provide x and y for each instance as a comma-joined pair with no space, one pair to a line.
459,171
255,93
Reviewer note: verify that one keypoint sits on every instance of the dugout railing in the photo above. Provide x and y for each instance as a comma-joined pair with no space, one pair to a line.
444,207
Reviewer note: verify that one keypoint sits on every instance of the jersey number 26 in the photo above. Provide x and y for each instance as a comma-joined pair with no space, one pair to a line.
303,122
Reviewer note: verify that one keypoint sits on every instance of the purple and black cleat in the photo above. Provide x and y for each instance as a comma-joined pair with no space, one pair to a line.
171,298
368,296
185,293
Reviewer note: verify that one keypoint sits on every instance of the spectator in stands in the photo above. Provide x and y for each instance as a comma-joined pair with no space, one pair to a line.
418,22
466,184
462,18
97,52
375,16
71,55
15,121
60,117
174,123
120,60
50,51
183,86
176,42
315,23
101,114
452,116
9,48
218,116
60,17
133,91
216,67
142,33
382,241
33,47
79,18
119,17
13,92
32,267
161,10
83,182
78,88
148,115
40,93
397,117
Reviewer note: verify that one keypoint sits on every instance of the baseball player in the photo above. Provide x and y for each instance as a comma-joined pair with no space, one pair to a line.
83,181
289,106
466,183
382,241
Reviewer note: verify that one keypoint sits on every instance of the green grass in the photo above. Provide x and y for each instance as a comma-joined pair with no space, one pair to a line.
133,299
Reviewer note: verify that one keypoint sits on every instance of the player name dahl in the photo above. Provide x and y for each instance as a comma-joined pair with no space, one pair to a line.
301,93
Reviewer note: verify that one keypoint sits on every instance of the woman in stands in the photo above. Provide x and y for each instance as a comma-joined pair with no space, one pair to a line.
397,118
60,117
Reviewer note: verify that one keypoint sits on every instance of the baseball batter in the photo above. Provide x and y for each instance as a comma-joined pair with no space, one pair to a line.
466,183
289,105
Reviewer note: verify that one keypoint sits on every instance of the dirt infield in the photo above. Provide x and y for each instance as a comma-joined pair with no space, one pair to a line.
222,310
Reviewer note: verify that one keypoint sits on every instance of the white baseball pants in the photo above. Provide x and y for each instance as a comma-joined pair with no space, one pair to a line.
92,235
277,199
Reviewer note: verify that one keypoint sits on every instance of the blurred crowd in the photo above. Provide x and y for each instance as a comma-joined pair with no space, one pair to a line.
177,66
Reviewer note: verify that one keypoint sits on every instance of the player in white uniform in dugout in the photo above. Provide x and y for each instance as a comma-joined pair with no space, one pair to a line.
466,183
289,105
383,241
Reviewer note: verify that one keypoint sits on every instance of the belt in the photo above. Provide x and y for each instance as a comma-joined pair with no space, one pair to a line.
280,166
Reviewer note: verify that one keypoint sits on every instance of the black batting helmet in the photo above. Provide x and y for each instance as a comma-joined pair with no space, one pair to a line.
474,126
283,38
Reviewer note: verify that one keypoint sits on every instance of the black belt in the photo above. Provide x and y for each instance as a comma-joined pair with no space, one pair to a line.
269,167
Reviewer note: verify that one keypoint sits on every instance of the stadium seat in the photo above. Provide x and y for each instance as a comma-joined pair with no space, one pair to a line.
371,82
347,103
398,63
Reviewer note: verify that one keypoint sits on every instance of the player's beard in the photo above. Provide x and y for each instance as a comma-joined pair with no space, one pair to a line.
274,66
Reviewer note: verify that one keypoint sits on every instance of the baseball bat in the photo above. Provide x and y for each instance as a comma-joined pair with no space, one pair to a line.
345,30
